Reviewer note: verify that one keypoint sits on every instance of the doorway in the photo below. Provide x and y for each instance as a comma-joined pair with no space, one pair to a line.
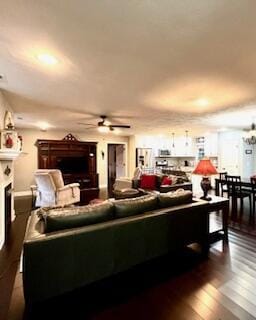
116,163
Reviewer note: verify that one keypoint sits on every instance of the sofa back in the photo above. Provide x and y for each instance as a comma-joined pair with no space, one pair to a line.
58,262
73,217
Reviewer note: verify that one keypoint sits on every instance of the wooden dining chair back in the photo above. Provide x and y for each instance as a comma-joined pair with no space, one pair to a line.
223,182
253,183
233,185
236,192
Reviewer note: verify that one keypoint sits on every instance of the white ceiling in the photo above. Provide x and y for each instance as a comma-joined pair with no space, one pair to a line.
145,62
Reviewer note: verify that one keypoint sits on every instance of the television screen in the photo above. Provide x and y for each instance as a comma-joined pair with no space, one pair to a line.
72,164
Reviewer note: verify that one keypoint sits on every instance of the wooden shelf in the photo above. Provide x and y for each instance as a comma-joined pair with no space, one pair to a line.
9,155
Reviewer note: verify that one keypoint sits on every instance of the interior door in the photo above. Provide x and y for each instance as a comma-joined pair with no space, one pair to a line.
116,163
230,154
120,161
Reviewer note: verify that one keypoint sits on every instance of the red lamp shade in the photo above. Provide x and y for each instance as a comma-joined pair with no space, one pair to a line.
205,168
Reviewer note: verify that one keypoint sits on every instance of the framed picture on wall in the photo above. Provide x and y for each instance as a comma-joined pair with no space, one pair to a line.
9,140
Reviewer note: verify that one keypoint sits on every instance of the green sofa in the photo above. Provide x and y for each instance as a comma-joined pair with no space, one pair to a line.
58,259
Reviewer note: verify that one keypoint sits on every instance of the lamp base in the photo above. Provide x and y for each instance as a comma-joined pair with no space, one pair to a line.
206,186
206,198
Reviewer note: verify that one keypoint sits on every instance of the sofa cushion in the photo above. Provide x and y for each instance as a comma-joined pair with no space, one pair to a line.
65,218
166,181
133,206
173,178
148,181
174,198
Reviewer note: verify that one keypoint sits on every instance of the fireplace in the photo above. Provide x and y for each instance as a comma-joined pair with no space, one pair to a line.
7,214
7,209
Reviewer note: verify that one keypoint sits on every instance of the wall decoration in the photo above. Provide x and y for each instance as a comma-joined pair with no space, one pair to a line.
7,171
8,121
9,140
70,137
20,143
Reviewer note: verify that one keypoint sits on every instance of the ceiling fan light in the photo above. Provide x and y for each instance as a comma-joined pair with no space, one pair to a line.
103,129
107,123
250,136
117,131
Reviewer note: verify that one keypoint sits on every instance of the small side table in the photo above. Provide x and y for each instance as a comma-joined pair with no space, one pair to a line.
220,204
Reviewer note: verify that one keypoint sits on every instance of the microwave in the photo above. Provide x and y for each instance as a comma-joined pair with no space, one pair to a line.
164,152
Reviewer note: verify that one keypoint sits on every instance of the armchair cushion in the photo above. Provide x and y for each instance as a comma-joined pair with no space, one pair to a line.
45,181
57,178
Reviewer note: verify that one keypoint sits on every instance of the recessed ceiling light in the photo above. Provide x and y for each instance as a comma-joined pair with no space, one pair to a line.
43,125
46,58
202,102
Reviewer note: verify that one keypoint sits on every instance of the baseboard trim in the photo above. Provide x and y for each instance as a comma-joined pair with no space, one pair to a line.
22,193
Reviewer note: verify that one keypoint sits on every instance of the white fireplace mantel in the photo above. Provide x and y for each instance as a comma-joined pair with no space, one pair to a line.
7,158
9,155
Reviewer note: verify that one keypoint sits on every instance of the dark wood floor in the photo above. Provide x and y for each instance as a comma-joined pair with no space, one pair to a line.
181,287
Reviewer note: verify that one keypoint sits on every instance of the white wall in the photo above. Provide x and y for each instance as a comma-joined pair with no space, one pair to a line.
232,154
26,164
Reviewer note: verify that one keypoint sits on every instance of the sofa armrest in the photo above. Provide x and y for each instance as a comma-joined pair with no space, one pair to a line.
136,183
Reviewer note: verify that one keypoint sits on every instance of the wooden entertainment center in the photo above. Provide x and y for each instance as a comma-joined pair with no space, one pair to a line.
77,161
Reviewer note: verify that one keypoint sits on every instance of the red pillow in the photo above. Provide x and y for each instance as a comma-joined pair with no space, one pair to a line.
166,181
148,182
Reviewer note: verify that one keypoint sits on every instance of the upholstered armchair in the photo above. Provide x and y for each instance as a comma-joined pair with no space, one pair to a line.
51,190
127,182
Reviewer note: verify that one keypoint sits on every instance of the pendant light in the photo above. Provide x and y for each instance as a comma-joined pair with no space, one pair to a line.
186,143
173,145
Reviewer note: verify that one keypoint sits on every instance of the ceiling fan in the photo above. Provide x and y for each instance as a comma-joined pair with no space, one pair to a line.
105,125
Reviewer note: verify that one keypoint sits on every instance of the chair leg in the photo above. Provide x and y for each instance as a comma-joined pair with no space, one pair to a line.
251,212
241,207
253,204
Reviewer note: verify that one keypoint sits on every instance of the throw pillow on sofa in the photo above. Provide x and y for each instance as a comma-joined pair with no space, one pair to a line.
148,181
133,206
74,217
174,198
167,181
173,178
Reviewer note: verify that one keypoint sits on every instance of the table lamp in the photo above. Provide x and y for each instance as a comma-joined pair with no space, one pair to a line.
206,169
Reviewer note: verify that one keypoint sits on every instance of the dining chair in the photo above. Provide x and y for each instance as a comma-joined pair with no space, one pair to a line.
223,183
236,191
253,183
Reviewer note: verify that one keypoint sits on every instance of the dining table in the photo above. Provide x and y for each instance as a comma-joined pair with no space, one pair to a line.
245,183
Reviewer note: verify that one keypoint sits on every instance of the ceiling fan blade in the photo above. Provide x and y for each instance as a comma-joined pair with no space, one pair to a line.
120,126
87,124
